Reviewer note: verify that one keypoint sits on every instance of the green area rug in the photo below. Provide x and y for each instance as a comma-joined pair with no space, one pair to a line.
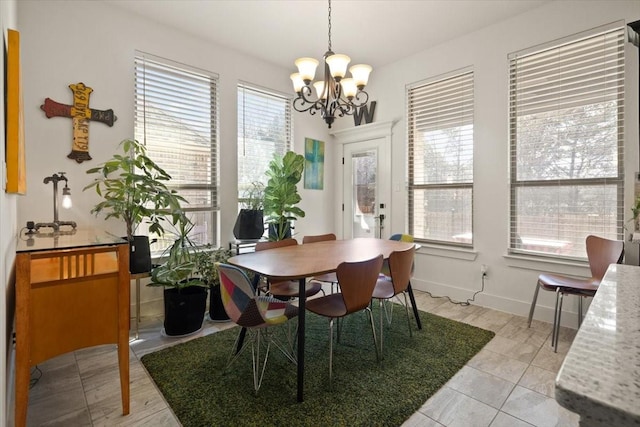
192,375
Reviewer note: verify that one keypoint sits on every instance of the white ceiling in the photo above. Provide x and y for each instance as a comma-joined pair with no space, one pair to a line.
372,32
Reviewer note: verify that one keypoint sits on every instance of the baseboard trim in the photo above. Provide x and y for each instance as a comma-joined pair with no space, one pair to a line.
520,308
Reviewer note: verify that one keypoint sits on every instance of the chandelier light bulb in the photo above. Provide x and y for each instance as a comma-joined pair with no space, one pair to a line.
307,68
349,87
360,73
297,81
319,85
338,65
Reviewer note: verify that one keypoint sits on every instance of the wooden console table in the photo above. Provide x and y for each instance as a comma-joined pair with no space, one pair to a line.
72,291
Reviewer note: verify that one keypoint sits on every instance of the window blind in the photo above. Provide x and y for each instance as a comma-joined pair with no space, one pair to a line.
440,159
264,129
566,121
176,116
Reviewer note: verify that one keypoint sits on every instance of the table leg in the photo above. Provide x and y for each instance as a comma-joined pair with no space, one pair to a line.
301,315
243,333
413,304
137,305
22,389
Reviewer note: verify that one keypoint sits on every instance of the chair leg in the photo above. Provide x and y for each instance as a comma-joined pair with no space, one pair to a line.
580,310
533,304
555,349
235,351
330,351
555,319
255,352
406,307
373,331
381,327
289,351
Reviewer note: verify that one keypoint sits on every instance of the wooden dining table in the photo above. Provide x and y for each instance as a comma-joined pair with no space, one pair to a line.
300,262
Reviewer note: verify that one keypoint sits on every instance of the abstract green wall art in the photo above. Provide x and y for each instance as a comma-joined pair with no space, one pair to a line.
313,164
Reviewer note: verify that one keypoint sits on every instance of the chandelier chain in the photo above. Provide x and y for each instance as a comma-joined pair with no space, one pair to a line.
329,25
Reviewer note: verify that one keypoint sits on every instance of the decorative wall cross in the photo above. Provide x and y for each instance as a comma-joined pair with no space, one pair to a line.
80,113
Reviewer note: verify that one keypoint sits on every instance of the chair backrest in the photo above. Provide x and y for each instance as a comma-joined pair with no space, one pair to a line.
263,246
236,291
399,238
318,238
357,281
602,252
401,267
402,237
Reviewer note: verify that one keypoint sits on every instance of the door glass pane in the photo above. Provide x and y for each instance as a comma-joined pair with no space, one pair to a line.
364,166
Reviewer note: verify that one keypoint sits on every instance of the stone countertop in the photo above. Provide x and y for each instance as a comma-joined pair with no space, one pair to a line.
600,376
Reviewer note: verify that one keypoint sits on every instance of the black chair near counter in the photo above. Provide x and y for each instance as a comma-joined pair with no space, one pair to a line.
601,253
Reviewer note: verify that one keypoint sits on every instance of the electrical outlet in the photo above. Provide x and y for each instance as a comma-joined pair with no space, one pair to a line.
483,269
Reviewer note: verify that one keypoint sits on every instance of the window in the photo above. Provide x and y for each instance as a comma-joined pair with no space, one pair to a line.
440,135
264,129
566,137
176,116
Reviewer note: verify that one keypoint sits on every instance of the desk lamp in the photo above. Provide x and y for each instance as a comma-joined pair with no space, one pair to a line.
66,202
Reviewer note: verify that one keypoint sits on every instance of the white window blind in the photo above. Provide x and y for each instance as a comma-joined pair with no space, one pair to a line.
176,116
264,129
566,136
440,157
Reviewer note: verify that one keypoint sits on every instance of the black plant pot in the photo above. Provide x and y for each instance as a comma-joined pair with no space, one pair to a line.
217,312
184,310
249,224
139,255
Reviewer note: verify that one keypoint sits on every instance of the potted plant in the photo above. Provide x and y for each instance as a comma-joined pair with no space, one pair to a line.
207,269
281,194
250,222
133,188
185,293
635,210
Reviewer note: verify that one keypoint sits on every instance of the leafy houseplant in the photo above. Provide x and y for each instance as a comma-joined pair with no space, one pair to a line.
250,221
281,194
207,269
635,210
185,293
133,188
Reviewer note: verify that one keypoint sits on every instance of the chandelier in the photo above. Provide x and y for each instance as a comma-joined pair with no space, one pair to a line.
335,96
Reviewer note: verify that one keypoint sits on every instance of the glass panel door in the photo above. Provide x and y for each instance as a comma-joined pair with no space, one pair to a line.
366,188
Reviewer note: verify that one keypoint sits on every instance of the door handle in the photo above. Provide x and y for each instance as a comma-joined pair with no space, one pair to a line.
380,219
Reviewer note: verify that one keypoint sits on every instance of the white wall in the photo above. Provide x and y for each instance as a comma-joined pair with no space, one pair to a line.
68,42
7,243
457,273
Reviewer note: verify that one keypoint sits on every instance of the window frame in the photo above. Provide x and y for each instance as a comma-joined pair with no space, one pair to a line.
211,210
411,169
514,247
274,96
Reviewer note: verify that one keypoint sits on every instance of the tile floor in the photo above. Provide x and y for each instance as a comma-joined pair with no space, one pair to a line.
508,383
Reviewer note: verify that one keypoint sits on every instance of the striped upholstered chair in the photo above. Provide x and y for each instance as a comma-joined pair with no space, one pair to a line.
256,314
